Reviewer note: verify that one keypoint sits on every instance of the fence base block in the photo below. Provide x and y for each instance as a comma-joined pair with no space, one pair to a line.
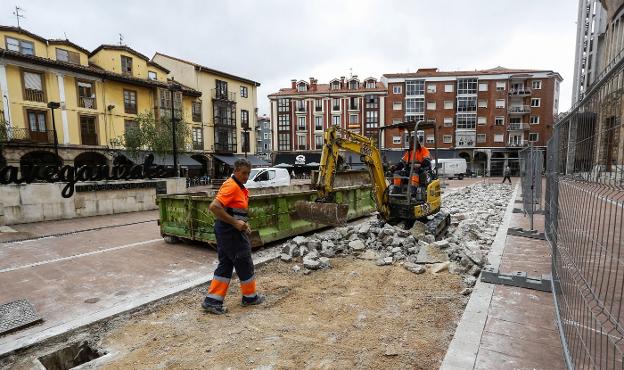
536,212
517,279
533,234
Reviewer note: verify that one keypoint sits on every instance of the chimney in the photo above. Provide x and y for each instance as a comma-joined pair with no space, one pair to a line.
312,84
293,84
342,82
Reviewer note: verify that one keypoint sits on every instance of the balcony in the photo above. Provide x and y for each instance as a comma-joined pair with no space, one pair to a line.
517,143
519,109
223,95
517,126
225,147
198,145
520,92
354,107
34,95
12,134
225,121
86,102
318,109
301,109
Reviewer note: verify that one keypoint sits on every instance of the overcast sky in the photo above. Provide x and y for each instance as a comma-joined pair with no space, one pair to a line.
274,41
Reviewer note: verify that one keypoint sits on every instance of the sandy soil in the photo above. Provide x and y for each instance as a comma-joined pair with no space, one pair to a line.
355,315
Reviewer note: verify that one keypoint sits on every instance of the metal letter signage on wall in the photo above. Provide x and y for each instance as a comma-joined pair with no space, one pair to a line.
71,175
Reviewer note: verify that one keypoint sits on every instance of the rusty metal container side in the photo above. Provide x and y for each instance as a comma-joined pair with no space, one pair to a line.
273,216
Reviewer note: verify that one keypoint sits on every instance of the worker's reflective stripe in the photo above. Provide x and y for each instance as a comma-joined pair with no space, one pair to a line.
218,287
248,287
396,181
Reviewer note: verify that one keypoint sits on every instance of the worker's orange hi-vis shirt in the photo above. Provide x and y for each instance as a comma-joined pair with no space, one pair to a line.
420,154
231,195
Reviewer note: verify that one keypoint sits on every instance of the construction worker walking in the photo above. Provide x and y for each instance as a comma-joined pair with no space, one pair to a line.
233,247
507,174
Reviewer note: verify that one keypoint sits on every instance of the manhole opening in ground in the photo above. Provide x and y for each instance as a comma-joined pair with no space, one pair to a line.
69,357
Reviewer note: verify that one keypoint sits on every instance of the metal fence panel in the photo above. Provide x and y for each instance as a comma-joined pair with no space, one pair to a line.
584,218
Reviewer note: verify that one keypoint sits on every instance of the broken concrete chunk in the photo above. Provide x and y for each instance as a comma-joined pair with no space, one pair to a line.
470,281
364,229
299,240
311,264
415,268
442,243
418,230
357,245
369,254
384,261
296,268
324,262
286,257
439,267
431,254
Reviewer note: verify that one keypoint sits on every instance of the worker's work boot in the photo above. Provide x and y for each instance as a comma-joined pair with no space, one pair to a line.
214,308
258,299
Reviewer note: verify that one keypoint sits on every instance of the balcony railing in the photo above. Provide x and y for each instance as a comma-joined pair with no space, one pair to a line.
86,102
354,107
198,145
221,121
517,127
219,94
318,109
225,147
517,143
520,92
519,109
301,108
336,107
12,134
34,95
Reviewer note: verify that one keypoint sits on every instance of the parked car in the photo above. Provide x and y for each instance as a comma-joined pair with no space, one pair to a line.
264,177
451,168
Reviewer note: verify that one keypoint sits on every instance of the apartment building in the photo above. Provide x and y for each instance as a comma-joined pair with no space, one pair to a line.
483,116
264,137
300,113
55,88
226,114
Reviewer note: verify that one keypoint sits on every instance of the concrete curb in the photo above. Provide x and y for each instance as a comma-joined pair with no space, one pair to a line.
124,307
463,350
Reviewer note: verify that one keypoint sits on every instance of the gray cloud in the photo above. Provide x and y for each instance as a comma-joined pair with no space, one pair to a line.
273,41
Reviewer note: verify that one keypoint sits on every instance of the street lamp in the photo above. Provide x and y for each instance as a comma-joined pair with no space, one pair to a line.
54,105
173,88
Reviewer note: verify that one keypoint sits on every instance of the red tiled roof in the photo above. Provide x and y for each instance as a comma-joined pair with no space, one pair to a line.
22,31
67,42
128,50
324,89
433,72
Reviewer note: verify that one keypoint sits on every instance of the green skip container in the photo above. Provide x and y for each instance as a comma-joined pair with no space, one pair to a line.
272,213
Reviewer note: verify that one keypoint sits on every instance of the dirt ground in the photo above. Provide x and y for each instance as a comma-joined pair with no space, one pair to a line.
355,315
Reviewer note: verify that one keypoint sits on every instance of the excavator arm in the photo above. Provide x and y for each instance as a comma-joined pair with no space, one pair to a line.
324,210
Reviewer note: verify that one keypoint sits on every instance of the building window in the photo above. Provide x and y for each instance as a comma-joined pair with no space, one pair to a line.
448,104
20,46
535,102
466,121
354,103
500,103
335,85
354,85
37,121
198,138
499,121
244,118
318,105
67,56
151,75
221,90
448,122
301,123
354,120
534,120
482,103
371,84
397,90
499,138
283,141
430,139
447,139
431,88
283,105
483,87
482,120
537,85
244,92
397,105
266,136
88,131
481,138
301,105
467,104
336,120
283,122
415,87
318,142
396,140
414,105
33,87
318,123
197,111
372,119
501,85
126,65
466,86
335,104
396,121
302,87
301,142
448,88
372,101
86,95
431,105
130,101
533,136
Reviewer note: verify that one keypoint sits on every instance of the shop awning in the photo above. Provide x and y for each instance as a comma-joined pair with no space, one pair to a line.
164,160
230,159
227,159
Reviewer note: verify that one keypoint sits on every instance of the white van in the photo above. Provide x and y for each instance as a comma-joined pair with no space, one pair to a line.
264,177
451,168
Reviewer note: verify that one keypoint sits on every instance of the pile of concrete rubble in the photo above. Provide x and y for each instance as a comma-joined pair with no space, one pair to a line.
476,213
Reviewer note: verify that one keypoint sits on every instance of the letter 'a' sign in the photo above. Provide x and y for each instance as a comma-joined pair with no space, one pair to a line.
70,175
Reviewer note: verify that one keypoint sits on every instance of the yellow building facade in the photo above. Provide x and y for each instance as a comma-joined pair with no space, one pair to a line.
99,93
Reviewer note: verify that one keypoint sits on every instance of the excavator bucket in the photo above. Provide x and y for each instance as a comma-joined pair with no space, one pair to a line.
331,214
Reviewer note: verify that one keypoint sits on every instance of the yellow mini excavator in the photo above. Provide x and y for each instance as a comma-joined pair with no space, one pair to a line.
399,202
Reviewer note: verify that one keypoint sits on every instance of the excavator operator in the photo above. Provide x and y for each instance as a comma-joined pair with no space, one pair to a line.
422,164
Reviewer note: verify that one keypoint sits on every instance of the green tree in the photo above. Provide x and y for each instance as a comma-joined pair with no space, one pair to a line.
154,134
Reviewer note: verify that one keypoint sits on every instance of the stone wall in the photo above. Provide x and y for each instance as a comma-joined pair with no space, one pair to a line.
43,201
